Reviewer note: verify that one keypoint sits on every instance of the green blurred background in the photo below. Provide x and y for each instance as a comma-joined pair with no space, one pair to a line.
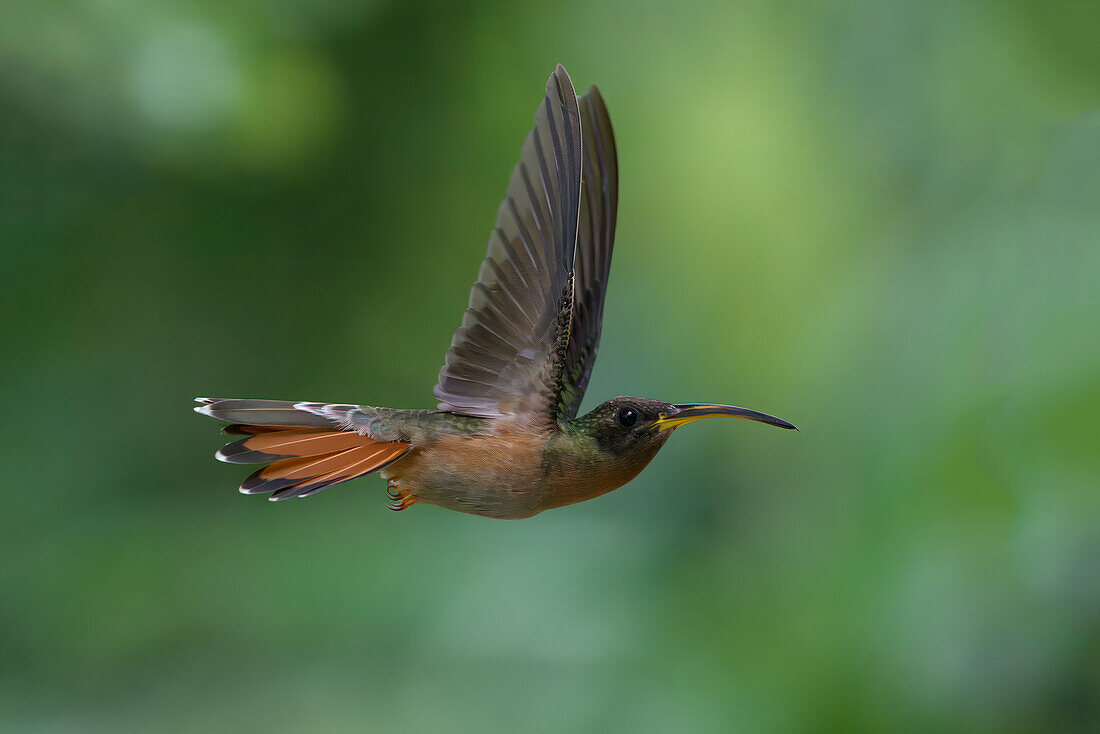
880,220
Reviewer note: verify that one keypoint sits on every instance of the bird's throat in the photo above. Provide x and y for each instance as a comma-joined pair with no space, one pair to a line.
578,467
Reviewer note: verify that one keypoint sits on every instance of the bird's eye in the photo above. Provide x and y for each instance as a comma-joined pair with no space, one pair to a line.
628,417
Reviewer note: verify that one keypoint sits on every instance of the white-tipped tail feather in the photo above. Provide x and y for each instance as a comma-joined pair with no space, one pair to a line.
307,446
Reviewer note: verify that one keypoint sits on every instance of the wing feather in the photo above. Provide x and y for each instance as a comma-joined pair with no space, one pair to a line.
595,241
505,356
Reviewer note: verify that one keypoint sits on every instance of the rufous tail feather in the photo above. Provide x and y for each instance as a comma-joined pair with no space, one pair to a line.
304,454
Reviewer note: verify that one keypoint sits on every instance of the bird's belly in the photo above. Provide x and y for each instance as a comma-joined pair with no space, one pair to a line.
481,476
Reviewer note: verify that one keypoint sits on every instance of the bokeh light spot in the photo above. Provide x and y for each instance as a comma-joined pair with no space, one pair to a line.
185,77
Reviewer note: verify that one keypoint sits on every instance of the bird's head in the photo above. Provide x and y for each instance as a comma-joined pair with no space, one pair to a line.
638,427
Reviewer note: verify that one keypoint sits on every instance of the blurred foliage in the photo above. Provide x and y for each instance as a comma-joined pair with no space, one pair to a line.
877,219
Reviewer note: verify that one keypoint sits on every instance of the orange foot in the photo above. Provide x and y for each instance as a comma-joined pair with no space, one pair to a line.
400,499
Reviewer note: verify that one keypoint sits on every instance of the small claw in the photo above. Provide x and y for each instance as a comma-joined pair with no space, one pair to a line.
400,499
406,501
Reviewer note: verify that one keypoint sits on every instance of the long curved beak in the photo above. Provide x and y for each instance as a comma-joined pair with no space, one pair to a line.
689,412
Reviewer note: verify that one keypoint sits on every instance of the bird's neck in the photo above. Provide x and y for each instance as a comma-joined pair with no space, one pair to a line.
580,468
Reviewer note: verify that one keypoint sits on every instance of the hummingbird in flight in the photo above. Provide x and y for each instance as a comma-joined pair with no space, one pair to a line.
505,440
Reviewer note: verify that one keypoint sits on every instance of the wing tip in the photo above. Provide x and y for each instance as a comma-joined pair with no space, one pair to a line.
560,82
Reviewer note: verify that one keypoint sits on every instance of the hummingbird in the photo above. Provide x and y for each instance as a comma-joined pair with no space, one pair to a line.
505,440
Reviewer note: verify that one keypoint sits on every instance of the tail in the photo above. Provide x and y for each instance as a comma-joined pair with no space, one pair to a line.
307,446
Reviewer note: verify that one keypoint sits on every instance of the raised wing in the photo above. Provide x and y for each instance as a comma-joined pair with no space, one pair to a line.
595,239
508,355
